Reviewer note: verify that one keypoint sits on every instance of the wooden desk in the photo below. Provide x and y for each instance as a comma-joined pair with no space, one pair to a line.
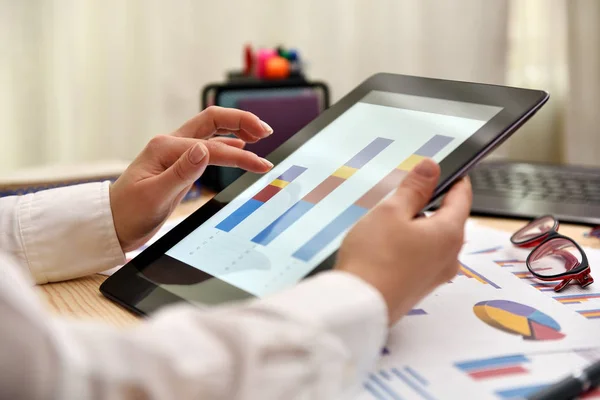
80,298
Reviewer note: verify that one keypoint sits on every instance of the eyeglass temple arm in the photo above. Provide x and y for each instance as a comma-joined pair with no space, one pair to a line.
571,260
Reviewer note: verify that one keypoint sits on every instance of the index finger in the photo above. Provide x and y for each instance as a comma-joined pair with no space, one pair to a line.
215,120
456,205
229,156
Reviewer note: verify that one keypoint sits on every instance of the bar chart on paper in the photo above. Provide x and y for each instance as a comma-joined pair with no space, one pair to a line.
515,376
470,273
584,301
397,383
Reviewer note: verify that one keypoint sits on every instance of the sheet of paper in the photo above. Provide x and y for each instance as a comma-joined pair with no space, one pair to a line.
489,333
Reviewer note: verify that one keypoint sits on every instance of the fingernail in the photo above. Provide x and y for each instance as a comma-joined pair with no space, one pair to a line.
425,168
267,163
266,127
197,153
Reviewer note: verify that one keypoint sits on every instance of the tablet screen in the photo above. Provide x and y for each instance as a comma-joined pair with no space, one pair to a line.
286,223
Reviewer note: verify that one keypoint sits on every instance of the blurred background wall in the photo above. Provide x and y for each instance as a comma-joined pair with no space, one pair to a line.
84,80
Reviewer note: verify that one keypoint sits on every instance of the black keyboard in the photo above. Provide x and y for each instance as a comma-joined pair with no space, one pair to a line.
528,190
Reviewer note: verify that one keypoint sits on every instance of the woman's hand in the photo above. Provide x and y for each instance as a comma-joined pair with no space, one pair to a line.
405,257
156,181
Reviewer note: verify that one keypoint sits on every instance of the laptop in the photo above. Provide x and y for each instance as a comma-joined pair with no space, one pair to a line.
529,190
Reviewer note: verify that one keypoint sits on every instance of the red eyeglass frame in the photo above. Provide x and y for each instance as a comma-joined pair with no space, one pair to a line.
581,272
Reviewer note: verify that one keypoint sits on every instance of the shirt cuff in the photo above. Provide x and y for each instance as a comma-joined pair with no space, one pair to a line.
69,232
345,306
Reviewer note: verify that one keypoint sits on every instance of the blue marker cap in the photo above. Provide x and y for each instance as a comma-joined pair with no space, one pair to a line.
292,55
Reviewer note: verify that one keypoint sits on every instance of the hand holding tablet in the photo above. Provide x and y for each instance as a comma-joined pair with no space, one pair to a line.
265,233
402,257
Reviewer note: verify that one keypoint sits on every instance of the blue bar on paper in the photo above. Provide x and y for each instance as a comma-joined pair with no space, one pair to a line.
385,387
318,242
286,219
414,386
416,375
433,145
291,173
520,393
492,362
385,375
374,392
239,215
368,153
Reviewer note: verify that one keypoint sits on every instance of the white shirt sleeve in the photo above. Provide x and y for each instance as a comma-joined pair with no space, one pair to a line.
314,341
60,234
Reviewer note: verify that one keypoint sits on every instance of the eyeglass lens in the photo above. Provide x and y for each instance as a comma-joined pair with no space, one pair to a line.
534,229
555,257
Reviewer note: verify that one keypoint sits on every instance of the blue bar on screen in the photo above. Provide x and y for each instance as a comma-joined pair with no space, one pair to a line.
286,219
318,242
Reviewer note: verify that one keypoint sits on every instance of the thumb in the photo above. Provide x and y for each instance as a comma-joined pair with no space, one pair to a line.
416,189
185,171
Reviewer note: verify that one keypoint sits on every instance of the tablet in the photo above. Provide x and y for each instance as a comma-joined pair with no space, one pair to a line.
264,233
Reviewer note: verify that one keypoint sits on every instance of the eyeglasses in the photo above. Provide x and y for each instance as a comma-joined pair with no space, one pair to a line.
555,257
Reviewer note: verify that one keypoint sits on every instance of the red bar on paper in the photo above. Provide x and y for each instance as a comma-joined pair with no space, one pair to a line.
496,372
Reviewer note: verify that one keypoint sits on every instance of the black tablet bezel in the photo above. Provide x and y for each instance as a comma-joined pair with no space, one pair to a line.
131,289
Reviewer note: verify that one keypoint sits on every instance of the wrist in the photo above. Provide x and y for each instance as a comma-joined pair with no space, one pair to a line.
116,215
398,298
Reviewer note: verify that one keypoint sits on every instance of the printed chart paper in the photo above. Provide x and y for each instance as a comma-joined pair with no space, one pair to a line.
489,333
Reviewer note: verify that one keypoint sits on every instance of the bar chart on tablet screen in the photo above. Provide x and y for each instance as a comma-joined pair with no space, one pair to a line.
291,219
258,200
351,215
321,191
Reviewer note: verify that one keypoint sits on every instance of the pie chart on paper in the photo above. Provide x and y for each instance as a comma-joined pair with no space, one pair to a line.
518,319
